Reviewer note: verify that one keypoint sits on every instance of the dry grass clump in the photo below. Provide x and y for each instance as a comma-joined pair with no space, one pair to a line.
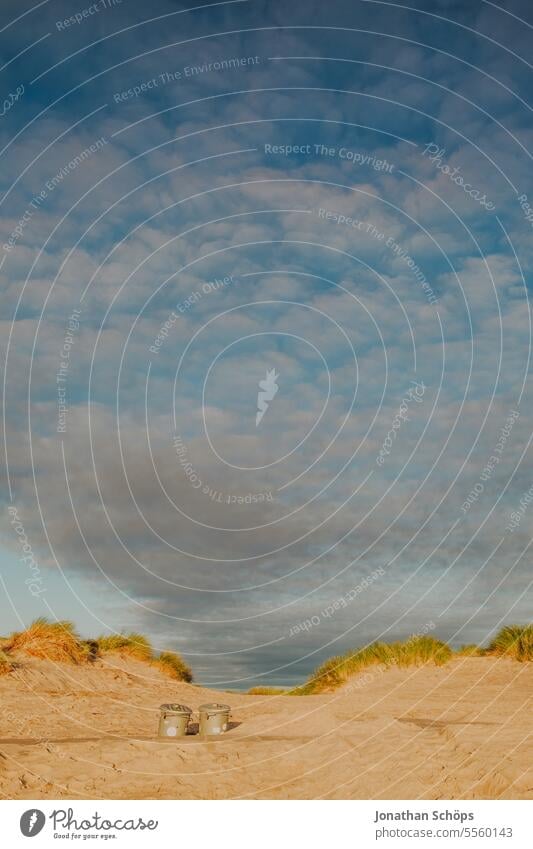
132,645
58,641
470,650
55,641
423,649
138,647
173,665
415,651
266,691
6,664
515,641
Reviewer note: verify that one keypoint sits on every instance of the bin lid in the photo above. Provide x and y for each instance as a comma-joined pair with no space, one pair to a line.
174,708
214,708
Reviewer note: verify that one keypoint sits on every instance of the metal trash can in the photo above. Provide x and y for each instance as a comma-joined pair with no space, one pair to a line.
174,720
214,718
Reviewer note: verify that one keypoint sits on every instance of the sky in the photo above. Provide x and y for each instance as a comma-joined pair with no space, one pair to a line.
265,326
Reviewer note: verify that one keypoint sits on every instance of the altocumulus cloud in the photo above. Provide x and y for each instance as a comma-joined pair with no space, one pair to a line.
267,174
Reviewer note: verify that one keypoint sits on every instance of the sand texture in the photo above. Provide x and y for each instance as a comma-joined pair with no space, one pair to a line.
460,731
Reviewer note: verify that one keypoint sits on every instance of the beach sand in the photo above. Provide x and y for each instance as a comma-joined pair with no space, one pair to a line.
460,731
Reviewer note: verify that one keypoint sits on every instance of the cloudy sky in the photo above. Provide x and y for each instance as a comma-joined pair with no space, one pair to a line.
332,199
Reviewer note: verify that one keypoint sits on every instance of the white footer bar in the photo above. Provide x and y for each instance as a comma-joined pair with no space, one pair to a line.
264,824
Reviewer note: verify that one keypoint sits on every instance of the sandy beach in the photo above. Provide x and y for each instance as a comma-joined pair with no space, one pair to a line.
460,731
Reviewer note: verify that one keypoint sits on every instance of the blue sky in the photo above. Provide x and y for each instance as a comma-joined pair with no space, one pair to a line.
192,197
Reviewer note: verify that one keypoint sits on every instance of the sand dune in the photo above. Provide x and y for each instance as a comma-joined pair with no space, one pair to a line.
461,731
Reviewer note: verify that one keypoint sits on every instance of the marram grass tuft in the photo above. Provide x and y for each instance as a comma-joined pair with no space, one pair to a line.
515,641
56,641
415,651
132,645
173,665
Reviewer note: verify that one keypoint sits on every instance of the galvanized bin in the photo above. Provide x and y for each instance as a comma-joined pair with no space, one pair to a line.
174,720
214,718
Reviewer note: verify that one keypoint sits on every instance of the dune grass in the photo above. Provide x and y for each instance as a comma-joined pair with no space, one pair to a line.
415,651
515,641
6,664
132,645
470,650
58,641
266,691
55,641
173,665
138,647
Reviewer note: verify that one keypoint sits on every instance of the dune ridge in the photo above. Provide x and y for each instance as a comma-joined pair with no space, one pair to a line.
87,729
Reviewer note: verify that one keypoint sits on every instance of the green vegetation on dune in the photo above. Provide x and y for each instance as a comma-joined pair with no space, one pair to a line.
59,642
267,691
134,645
413,652
6,664
514,641
470,650
173,665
